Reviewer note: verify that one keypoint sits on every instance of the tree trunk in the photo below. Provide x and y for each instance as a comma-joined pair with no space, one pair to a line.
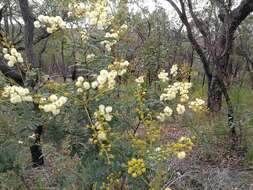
218,77
214,100
10,73
29,31
36,151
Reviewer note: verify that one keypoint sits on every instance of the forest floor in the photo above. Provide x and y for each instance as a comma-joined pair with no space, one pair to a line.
224,170
217,168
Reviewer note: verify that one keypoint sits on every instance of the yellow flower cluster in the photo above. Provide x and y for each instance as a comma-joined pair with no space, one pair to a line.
163,76
76,9
171,91
17,94
140,80
97,13
182,90
112,182
12,56
184,144
186,71
100,132
82,85
180,109
104,113
120,66
198,105
99,137
173,70
94,12
113,36
136,167
50,22
139,144
54,105
160,153
167,112
149,132
152,133
106,79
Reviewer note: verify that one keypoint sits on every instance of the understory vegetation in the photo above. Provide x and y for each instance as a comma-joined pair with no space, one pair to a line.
126,95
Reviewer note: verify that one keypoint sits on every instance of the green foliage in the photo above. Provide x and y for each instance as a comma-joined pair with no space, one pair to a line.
76,155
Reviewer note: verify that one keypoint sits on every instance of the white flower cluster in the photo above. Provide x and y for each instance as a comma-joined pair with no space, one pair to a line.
184,90
101,132
102,116
170,93
105,79
173,70
163,76
181,154
17,94
90,56
76,9
120,66
172,90
140,80
180,109
105,112
123,28
54,105
50,22
82,85
167,112
12,56
94,13
197,105
113,37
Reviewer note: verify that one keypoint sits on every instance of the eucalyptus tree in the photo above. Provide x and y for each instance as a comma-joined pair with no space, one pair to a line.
214,49
244,49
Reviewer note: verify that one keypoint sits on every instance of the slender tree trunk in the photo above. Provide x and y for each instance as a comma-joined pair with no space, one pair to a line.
42,51
191,64
29,31
36,151
220,80
214,100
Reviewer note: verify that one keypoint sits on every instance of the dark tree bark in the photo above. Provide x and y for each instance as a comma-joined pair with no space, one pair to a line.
29,31
191,58
218,78
10,73
230,22
42,51
37,155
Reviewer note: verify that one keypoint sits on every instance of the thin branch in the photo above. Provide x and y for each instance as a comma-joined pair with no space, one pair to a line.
195,44
200,25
